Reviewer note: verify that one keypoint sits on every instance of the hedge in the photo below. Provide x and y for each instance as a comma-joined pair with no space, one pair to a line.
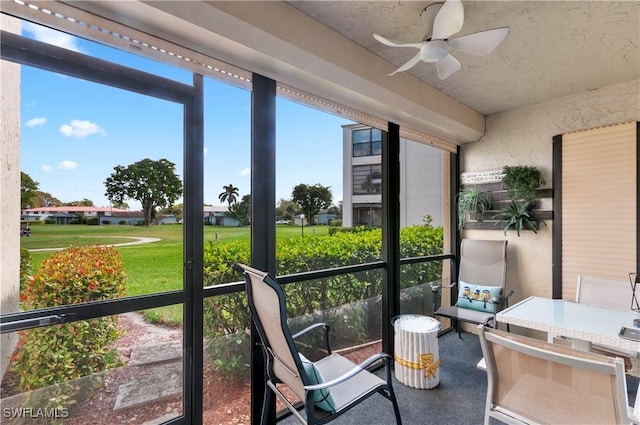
229,314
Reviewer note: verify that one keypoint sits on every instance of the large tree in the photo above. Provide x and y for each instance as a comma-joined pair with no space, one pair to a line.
311,198
174,210
286,209
241,211
153,183
28,191
45,199
83,203
336,209
230,194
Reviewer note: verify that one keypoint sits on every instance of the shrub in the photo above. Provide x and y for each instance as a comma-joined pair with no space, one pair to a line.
230,354
49,221
122,222
25,268
356,229
91,221
38,222
106,221
60,353
337,222
229,314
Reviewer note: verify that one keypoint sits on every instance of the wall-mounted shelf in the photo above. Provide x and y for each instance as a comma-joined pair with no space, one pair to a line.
499,199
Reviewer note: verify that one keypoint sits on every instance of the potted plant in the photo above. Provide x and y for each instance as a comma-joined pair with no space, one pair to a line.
472,201
517,214
522,181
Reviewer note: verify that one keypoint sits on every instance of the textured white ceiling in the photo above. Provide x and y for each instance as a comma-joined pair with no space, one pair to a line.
554,49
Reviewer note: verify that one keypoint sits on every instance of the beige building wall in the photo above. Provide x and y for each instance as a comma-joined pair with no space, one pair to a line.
9,193
524,137
421,180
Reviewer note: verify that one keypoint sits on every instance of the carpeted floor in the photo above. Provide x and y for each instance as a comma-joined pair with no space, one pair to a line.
458,400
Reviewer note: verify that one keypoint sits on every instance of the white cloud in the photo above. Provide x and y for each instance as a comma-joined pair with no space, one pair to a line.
245,172
81,128
35,122
47,35
46,168
68,165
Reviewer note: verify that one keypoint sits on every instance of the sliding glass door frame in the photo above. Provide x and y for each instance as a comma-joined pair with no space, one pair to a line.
24,51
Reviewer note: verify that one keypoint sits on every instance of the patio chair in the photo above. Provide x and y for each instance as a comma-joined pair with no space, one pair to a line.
328,387
604,292
607,293
481,283
533,381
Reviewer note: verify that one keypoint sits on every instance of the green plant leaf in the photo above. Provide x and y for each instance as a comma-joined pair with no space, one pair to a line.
522,181
472,200
517,215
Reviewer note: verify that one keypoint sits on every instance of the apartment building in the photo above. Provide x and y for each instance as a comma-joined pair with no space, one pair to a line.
421,179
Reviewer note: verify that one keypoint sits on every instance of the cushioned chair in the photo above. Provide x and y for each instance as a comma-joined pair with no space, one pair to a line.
532,381
481,283
328,387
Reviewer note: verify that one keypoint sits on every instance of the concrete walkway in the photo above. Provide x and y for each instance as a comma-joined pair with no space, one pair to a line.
159,374
137,241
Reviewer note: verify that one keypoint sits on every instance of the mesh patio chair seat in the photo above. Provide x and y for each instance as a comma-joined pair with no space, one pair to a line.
534,382
327,387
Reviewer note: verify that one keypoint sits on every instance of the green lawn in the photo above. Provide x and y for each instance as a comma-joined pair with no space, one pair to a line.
152,267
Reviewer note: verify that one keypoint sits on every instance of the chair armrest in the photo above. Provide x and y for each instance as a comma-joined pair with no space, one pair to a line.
435,288
326,328
310,328
500,298
353,372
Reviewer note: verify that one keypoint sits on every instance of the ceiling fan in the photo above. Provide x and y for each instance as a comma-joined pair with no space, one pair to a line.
447,18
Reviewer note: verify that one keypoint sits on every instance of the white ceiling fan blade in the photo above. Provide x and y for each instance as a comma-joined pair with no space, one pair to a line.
480,43
383,40
428,15
449,20
447,66
411,62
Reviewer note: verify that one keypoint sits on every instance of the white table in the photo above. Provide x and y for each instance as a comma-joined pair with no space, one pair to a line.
573,320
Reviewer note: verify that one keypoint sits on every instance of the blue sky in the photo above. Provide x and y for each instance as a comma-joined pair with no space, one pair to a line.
74,132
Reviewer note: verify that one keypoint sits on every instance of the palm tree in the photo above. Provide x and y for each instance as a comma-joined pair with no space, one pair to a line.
230,194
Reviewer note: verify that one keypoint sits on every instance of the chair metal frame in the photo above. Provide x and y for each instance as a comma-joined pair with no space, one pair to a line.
296,374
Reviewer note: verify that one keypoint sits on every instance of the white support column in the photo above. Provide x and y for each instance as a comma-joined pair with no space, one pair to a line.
9,193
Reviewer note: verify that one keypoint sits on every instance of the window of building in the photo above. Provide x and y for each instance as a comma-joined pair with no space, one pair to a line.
367,179
367,215
367,142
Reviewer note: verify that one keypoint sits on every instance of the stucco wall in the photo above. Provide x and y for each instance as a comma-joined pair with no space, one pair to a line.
524,137
9,192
